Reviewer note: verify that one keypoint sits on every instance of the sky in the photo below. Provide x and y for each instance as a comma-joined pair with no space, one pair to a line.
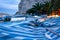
9,6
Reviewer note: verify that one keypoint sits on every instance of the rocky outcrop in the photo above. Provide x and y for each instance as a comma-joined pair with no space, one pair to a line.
24,5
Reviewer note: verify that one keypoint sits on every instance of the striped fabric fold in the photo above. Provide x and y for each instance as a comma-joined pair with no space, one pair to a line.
25,31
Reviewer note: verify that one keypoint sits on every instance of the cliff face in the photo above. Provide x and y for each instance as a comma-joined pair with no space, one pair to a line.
24,5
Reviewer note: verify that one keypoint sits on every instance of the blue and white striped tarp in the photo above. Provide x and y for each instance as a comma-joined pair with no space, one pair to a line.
22,31
51,34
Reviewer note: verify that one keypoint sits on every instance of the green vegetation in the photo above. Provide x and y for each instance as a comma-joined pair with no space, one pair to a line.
46,8
35,8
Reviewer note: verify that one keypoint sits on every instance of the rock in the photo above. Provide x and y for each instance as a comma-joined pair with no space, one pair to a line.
24,5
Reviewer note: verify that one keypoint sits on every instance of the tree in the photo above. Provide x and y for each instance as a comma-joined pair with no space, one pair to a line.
51,7
38,7
55,4
29,11
35,8
46,7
